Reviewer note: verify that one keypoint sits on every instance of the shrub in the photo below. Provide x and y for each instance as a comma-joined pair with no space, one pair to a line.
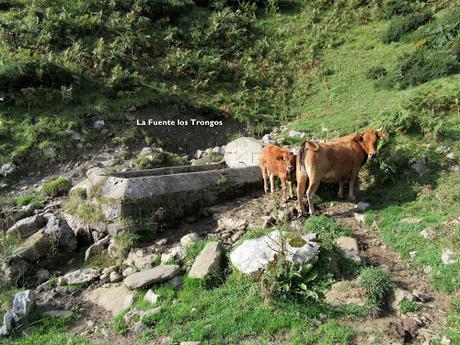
377,283
376,72
121,79
28,199
402,25
393,8
57,187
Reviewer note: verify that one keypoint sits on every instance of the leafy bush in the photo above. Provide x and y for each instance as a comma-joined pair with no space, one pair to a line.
393,8
121,79
419,67
402,25
57,187
377,283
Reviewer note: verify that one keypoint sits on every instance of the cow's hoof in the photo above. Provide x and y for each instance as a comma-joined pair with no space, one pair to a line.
340,196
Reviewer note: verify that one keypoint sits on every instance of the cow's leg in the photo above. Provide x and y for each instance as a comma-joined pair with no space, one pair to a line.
341,187
291,192
302,180
312,188
283,188
353,178
264,175
272,183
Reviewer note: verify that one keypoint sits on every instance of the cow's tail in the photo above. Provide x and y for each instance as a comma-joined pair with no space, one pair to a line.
306,145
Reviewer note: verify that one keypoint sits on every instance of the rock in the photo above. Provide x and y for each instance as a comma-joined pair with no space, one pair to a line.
61,231
446,341
59,313
243,152
207,261
105,159
96,176
447,257
83,275
198,154
151,297
42,276
152,276
345,293
232,224
177,253
35,247
420,165
404,330
8,169
12,269
413,254
267,139
398,296
27,227
451,156
254,255
98,124
420,295
115,277
23,303
113,298
189,239
115,229
176,282
140,260
297,134
191,343
411,220
349,246
126,272
97,247
81,230
428,234
360,218
161,242
138,328
362,206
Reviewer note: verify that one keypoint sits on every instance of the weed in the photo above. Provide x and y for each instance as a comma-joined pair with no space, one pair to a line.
27,199
57,187
377,284
407,306
327,229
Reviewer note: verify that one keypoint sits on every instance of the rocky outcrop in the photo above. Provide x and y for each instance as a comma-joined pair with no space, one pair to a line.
23,303
12,269
207,261
152,276
35,247
97,247
59,229
27,227
81,276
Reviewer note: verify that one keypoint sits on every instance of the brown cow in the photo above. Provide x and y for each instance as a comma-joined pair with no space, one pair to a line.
275,161
333,161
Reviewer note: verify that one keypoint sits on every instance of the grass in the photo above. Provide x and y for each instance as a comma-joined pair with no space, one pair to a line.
407,306
327,228
377,283
57,187
27,199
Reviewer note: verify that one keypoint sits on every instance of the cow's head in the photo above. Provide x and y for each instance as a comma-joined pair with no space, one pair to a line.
288,159
369,139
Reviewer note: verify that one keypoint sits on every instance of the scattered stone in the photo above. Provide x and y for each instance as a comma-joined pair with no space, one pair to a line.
112,298
83,275
448,257
141,260
254,255
161,242
81,230
345,293
138,328
445,341
35,247
23,303
27,227
151,297
176,282
189,239
207,261
428,234
360,218
59,229
413,254
98,124
420,295
231,224
115,277
8,169
362,206
177,253
97,247
152,276
12,269
420,165
191,343
267,139
450,156
411,220
127,271
42,276
349,246
293,133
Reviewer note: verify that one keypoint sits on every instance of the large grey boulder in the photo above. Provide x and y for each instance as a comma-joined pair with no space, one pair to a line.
349,246
81,276
152,276
35,247
23,303
97,247
141,260
177,253
207,261
243,152
189,239
254,255
80,229
62,232
27,227
113,298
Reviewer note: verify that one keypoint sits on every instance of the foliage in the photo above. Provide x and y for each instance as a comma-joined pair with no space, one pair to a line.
393,8
377,284
57,187
402,25
327,228
407,306
376,72
27,199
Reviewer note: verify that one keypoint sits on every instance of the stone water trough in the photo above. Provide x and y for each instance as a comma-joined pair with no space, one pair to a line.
182,189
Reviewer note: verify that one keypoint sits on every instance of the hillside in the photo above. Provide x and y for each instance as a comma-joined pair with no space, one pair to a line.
323,68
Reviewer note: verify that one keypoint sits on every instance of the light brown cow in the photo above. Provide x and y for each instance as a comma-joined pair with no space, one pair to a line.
333,161
275,161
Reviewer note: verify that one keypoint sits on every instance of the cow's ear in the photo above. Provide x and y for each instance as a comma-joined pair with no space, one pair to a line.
358,137
382,134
